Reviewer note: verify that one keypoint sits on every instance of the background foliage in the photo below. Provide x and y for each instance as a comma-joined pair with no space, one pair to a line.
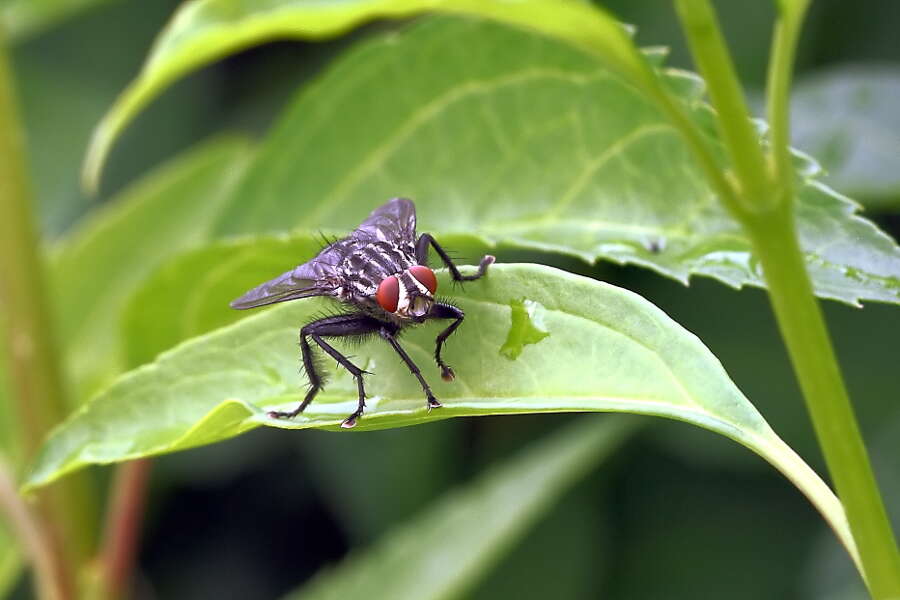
675,511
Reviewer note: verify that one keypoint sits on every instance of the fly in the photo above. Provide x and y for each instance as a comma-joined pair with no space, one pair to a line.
380,273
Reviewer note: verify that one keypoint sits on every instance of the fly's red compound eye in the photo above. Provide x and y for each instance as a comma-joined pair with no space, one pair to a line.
425,276
388,294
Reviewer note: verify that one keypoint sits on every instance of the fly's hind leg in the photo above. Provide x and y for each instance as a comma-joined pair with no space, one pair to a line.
312,373
337,326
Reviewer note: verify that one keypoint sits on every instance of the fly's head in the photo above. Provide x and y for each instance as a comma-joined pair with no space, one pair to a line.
409,294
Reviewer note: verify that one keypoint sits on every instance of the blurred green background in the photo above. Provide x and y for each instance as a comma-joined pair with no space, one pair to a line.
676,513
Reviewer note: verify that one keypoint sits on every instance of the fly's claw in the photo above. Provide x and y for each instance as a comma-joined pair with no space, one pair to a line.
278,414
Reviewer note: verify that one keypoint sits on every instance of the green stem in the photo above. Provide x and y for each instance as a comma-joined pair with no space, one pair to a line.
766,212
33,363
812,355
781,63
701,27
32,355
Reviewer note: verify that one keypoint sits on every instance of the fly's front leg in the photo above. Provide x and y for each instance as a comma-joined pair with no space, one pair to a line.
337,326
389,335
442,310
426,240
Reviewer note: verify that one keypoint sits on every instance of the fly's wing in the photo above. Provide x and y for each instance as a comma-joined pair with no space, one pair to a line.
309,279
394,221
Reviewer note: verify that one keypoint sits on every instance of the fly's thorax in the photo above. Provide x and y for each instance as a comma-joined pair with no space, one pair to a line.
368,262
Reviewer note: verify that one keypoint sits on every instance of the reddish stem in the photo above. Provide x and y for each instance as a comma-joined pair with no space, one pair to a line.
123,525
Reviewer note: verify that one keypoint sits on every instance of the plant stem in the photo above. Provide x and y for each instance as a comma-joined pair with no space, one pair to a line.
32,354
124,516
36,542
766,210
781,63
812,355
33,363
714,62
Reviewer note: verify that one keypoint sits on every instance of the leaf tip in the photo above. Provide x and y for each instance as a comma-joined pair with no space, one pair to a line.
94,160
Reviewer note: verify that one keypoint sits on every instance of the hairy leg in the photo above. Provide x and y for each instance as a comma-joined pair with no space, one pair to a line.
442,310
390,336
337,326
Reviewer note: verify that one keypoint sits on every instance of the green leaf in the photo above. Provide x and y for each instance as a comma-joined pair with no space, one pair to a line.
97,268
442,552
607,350
206,30
190,293
532,145
847,118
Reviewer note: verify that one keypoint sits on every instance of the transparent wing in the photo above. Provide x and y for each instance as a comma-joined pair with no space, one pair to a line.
309,279
393,221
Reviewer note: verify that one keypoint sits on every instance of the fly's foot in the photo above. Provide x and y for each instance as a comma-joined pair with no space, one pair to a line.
433,403
447,373
350,422
486,261
282,414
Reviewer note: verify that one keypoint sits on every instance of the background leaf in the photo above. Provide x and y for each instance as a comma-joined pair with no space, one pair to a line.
597,202
443,551
190,293
68,77
23,18
847,118
683,510
205,30
535,146
221,384
97,268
